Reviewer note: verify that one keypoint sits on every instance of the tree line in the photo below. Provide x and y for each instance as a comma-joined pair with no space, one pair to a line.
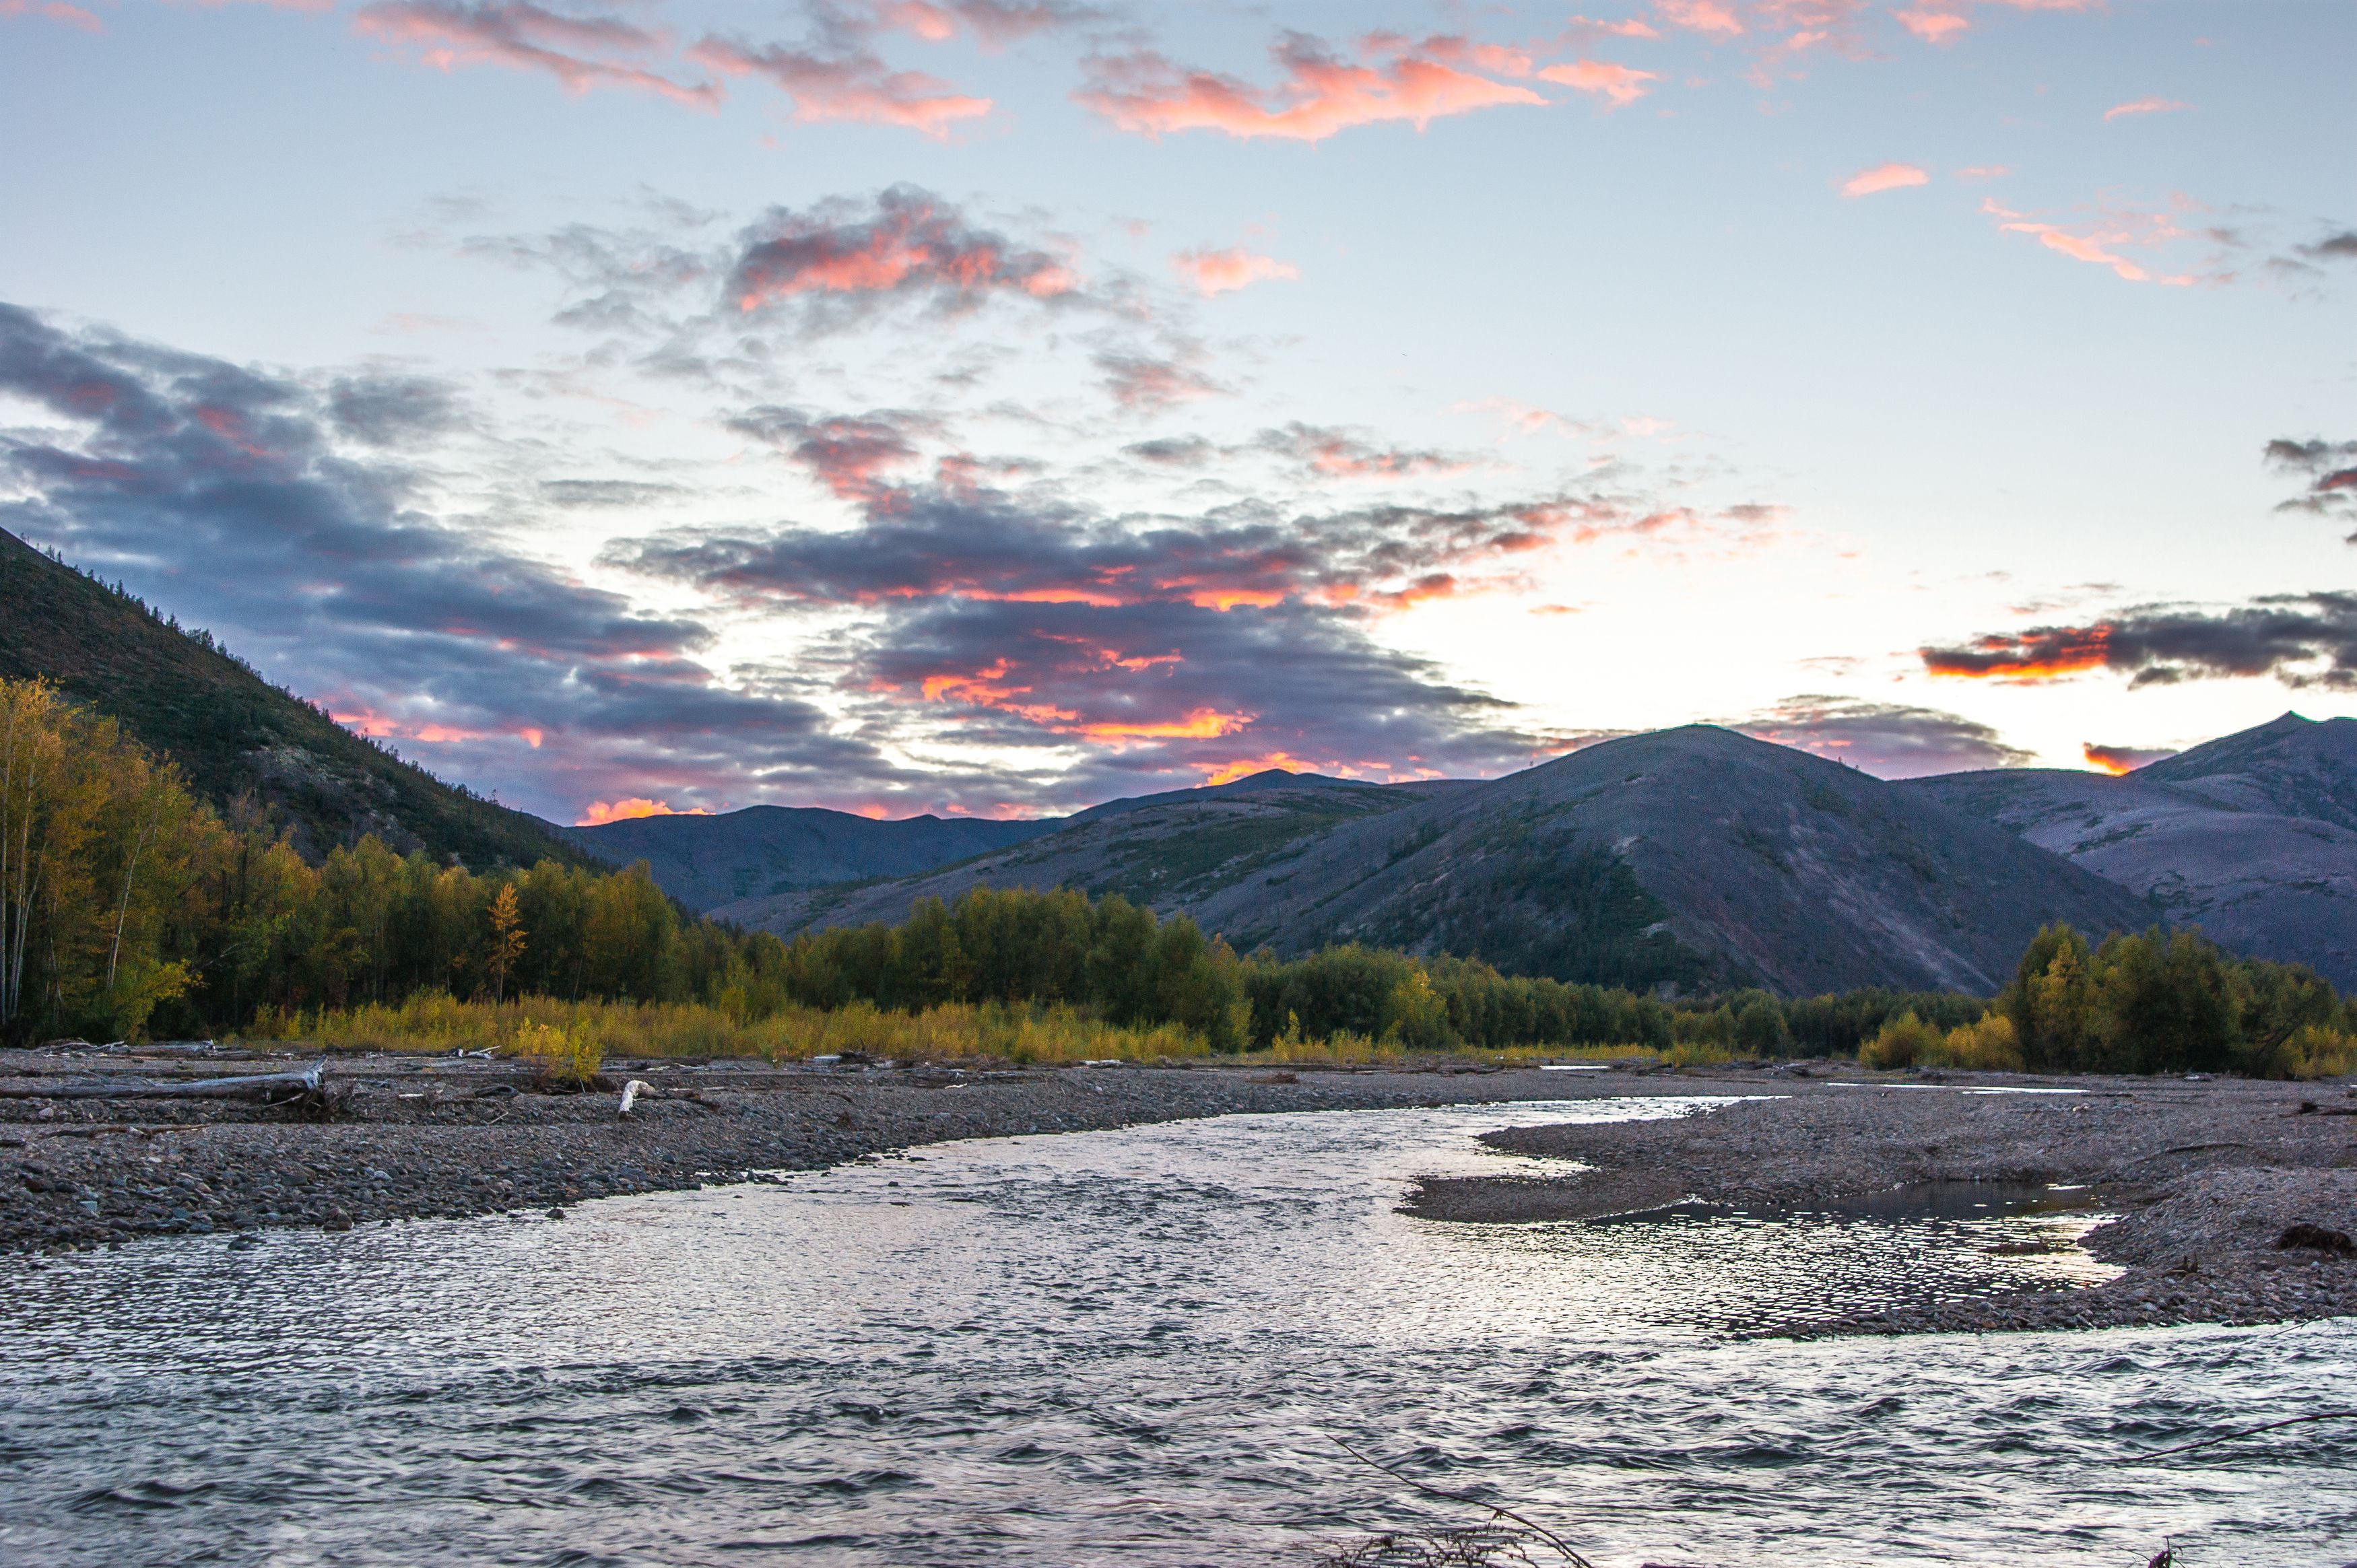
127,906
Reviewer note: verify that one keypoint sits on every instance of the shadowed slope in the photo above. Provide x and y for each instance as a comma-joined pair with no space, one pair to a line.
2252,836
234,733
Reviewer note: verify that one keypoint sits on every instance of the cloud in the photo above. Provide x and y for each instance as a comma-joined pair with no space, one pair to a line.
1934,26
1149,384
996,22
1884,176
599,812
2301,639
580,51
54,10
1713,16
1890,740
2100,240
1337,454
2118,759
238,497
585,494
2145,106
2336,247
1621,84
1219,271
907,243
849,455
392,411
846,82
1320,93
2331,469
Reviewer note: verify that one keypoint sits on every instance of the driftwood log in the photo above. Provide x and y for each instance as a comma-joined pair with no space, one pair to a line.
265,1089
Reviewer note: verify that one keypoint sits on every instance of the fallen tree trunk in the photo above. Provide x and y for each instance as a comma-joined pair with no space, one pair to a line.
267,1088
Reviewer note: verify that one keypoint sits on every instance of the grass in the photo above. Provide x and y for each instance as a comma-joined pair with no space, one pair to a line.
527,1027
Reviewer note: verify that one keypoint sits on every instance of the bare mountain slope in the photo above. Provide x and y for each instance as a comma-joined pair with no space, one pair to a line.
2252,836
1695,856
1757,860
1164,850
763,851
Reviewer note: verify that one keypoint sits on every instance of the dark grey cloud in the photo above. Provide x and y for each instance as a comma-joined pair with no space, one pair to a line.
2301,639
392,411
229,495
2336,247
2331,469
587,494
1890,740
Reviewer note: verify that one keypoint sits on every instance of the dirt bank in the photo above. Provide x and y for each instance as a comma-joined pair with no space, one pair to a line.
2206,1177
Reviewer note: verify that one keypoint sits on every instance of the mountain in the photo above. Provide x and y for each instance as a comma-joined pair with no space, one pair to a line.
765,851
233,734
1692,856
1165,849
2253,837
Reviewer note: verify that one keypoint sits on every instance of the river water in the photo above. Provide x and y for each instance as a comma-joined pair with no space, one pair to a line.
1128,1347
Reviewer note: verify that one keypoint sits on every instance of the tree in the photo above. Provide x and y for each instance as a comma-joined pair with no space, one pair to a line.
507,939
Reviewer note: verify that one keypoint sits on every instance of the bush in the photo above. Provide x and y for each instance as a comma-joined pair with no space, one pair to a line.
1903,1042
1988,1046
566,1058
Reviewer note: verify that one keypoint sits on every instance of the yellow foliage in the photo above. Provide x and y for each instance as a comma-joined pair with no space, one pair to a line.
570,1055
2319,1050
1903,1042
1988,1046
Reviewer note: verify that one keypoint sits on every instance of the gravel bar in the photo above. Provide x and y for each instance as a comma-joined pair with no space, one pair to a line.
2209,1179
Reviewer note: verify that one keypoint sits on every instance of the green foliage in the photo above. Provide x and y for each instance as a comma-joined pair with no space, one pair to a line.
2165,1002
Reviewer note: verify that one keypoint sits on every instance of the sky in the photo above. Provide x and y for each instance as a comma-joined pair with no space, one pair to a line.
992,407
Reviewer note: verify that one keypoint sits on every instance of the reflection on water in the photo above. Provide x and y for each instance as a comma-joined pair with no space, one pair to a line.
1122,1347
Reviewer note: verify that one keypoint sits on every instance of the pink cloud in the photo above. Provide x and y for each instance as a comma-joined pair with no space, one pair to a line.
55,11
1219,271
1884,176
2099,243
1701,17
1144,93
581,52
1934,26
1619,83
847,86
1631,27
598,813
2145,106
1984,171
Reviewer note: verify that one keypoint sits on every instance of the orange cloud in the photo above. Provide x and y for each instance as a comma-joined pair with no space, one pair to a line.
2044,655
1884,176
2119,759
1619,83
1245,766
1146,94
1219,271
1202,724
2145,106
598,813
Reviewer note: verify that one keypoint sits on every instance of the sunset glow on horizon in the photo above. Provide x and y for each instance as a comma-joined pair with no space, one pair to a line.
991,409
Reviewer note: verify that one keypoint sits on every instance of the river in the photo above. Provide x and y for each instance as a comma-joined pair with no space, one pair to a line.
1129,1346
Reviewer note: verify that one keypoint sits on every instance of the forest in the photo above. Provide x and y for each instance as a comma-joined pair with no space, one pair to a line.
130,908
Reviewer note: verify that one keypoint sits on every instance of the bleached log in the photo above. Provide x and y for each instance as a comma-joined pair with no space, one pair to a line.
267,1088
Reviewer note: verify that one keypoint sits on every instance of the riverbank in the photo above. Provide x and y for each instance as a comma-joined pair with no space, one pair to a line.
414,1136
2206,1179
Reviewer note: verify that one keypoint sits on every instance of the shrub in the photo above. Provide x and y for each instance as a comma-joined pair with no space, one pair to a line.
1989,1045
560,1058
1903,1042
2317,1050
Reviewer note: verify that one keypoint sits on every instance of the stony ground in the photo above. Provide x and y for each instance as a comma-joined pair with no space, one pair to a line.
2207,1176
418,1136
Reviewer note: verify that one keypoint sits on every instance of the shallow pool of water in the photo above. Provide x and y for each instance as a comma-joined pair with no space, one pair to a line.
1126,1346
